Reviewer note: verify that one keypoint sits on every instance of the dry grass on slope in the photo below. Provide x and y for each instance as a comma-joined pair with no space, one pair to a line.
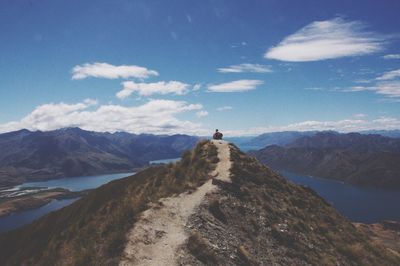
92,231
302,223
262,219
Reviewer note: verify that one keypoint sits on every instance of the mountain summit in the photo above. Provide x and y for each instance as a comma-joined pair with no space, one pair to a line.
217,206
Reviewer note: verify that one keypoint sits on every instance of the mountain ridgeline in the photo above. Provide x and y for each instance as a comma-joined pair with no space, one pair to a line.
367,160
27,155
277,138
253,217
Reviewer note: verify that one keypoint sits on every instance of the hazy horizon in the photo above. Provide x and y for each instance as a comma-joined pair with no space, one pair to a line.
228,136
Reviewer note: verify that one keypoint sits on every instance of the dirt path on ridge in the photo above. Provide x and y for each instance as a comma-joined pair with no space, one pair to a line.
161,230
222,171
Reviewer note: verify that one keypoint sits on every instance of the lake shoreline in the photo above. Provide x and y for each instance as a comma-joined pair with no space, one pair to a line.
36,200
30,196
29,201
338,181
358,204
5,185
335,192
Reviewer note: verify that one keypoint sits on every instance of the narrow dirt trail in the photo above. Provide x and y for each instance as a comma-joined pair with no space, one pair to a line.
156,237
222,171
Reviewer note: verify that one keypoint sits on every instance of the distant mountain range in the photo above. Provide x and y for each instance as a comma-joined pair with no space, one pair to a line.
27,155
285,137
277,138
370,160
386,133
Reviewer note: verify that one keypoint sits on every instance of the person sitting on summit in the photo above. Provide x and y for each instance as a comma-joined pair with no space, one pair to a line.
217,135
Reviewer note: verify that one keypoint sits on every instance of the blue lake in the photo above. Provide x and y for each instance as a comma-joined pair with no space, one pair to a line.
21,218
164,161
77,183
18,219
359,204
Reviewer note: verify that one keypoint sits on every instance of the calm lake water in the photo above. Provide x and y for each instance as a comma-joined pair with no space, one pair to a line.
18,219
164,161
77,183
359,204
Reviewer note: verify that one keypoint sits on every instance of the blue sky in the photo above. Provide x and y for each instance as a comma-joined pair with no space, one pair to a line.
245,67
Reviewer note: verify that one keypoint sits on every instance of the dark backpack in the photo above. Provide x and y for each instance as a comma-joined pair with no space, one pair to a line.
217,135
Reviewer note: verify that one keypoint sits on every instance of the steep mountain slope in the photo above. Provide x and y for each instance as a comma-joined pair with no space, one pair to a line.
158,236
216,206
93,229
370,160
262,219
73,152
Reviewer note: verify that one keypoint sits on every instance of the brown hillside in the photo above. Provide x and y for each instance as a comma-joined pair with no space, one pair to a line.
262,219
249,215
92,231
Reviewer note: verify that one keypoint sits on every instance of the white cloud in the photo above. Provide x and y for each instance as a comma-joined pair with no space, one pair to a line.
104,70
197,87
345,125
160,117
341,125
387,123
389,75
155,116
359,115
224,108
389,89
90,102
255,68
236,86
387,85
327,39
358,88
391,56
147,89
201,113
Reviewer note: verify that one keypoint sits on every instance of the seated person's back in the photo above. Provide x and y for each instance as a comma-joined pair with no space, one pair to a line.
217,135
